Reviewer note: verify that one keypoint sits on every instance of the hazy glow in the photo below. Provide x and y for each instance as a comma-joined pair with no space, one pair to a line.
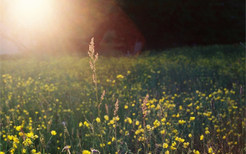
31,13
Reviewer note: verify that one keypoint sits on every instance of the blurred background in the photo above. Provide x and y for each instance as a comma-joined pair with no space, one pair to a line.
119,26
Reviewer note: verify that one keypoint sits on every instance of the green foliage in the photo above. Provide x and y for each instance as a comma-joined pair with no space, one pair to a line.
194,103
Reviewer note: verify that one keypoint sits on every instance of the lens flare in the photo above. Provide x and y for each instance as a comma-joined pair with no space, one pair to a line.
30,13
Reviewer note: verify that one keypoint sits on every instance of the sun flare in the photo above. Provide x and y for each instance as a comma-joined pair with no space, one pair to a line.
31,13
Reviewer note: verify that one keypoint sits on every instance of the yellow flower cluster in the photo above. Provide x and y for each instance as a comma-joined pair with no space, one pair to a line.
41,111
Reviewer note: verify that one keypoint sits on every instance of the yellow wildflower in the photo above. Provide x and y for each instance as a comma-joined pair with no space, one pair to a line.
111,122
201,137
156,123
190,136
23,151
119,76
102,145
182,122
18,128
98,120
106,117
192,118
163,132
31,134
53,132
10,137
86,124
129,120
86,152
186,144
148,127
33,151
126,107
165,145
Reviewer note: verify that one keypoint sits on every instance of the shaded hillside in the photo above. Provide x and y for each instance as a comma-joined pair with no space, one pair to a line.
170,23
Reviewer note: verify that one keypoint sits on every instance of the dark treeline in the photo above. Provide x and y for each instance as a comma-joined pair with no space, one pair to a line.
172,23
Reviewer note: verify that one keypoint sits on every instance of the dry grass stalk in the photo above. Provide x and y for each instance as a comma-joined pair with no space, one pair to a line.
106,108
102,97
93,58
66,148
116,107
145,101
115,115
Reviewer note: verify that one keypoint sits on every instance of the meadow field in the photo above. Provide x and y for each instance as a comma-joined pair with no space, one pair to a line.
183,100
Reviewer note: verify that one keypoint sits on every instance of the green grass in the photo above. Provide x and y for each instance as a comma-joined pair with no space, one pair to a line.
41,94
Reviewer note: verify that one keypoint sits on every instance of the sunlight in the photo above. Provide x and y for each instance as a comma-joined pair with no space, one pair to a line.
30,13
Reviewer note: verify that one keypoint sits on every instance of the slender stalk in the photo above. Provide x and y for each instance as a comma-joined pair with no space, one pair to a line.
93,58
